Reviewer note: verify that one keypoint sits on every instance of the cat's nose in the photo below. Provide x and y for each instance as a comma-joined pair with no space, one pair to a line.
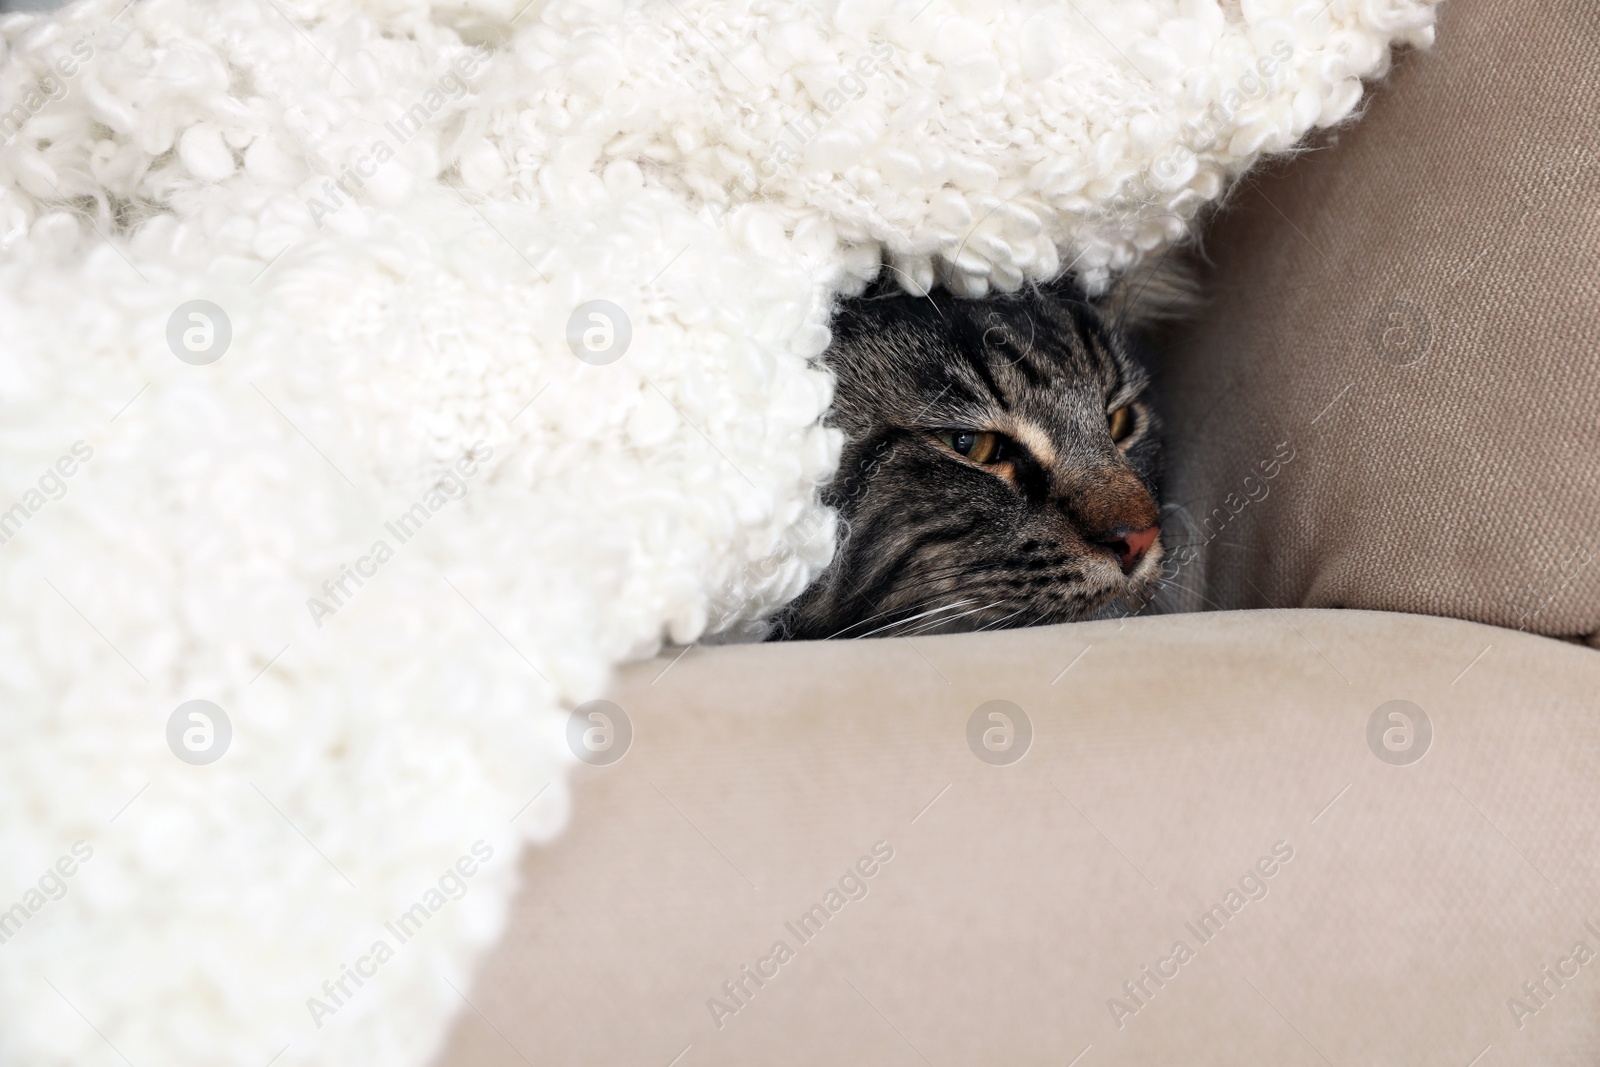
1129,545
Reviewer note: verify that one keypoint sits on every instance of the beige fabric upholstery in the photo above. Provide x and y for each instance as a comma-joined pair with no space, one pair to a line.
1412,310
1167,760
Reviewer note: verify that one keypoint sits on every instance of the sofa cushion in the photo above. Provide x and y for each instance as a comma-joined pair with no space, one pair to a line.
1409,313
1388,878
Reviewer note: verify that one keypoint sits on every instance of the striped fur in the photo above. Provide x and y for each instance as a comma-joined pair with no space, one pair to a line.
934,542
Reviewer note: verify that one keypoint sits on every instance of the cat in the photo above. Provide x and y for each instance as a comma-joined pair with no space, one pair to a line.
1001,462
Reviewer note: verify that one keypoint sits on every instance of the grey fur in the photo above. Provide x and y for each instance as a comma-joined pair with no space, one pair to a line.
933,542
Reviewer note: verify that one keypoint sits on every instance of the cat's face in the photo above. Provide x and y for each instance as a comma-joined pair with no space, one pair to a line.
1000,468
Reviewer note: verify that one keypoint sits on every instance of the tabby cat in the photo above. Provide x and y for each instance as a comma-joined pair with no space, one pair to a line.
1000,466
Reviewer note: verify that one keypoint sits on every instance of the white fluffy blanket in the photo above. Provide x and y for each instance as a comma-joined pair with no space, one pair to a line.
395,211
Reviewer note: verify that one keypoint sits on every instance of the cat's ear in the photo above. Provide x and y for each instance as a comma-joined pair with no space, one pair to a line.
1159,291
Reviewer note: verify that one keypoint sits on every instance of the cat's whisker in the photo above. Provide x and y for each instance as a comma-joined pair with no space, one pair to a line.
951,618
1041,617
855,595
928,296
1173,583
898,609
919,606
874,617
943,577
914,618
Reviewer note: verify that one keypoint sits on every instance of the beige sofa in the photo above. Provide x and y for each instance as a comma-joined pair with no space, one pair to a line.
1292,835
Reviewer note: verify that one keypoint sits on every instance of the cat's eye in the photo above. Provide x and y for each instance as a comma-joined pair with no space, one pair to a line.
1121,423
979,446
